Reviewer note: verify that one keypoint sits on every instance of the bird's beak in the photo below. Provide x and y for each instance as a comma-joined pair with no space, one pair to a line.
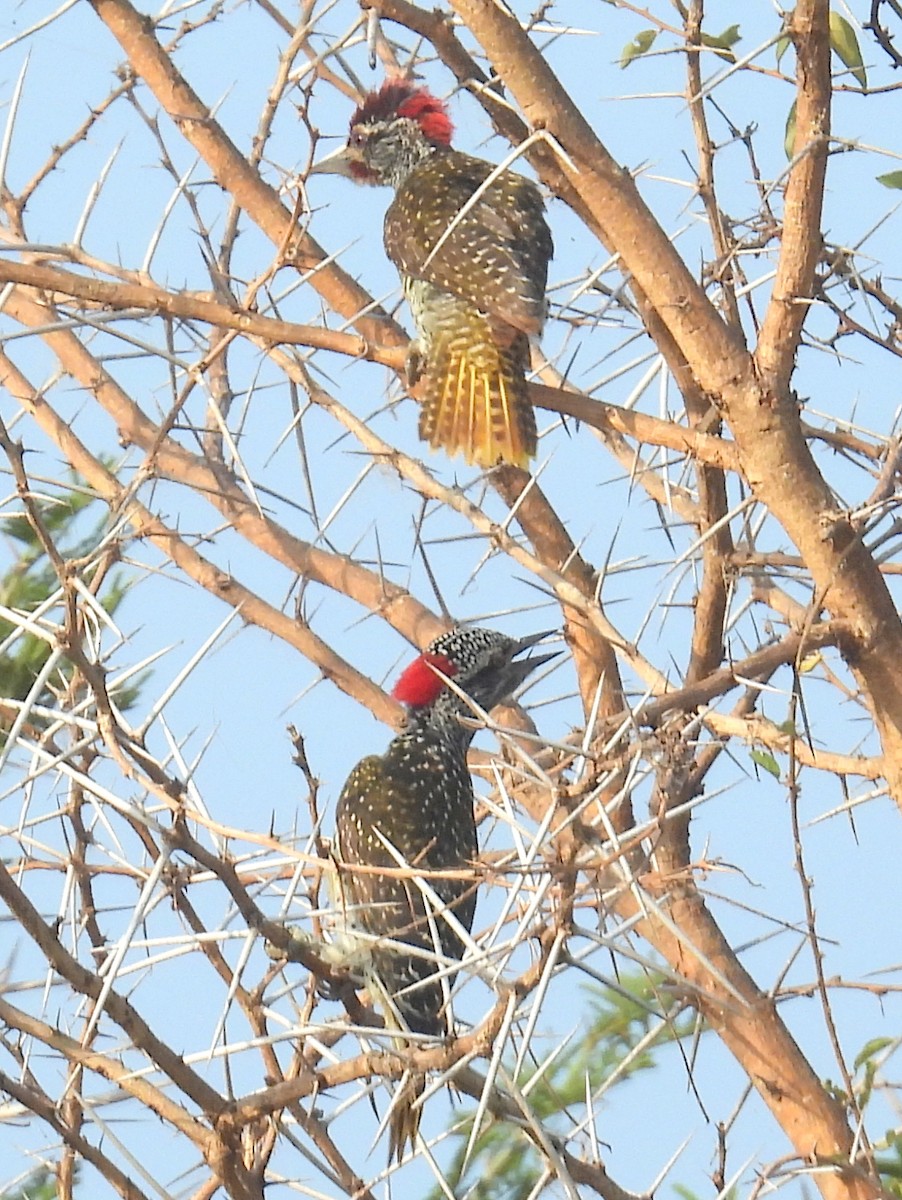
339,162
526,666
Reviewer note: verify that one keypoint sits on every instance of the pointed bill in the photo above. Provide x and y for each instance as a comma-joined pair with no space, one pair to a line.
339,162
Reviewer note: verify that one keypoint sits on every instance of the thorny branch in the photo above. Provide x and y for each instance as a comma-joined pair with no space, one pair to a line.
121,861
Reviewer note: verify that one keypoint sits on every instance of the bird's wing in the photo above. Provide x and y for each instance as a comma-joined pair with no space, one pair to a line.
493,251
389,904
356,842
387,907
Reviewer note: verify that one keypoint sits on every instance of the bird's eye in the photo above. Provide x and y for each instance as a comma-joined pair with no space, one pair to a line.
358,138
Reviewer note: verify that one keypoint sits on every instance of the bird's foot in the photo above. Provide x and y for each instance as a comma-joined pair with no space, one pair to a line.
414,364
300,942
333,956
331,989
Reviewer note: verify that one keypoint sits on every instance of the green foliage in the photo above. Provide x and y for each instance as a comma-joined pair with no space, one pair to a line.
766,761
789,134
39,1185
892,179
890,1165
687,1194
504,1165
844,43
641,44
723,43
871,1048
868,1061
32,579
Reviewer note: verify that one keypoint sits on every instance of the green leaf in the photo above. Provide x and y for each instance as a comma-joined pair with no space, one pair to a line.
40,1185
641,44
504,1166
891,1167
723,42
789,137
787,727
31,579
766,761
844,42
892,180
783,44
869,1049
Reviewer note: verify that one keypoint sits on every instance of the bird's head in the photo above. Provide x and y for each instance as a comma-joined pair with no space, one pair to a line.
485,665
393,130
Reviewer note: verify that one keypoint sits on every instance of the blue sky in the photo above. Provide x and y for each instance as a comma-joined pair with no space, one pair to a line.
231,713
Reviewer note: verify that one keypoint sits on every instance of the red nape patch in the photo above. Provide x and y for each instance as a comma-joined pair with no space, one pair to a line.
419,685
398,99
431,116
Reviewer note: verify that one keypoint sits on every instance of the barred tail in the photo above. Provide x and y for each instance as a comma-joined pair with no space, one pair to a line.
404,1121
476,399
409,1000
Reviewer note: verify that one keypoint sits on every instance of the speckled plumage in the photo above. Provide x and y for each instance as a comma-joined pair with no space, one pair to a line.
473,254
493,256
418,797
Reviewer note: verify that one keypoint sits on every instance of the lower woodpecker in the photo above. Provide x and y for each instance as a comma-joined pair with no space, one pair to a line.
412,807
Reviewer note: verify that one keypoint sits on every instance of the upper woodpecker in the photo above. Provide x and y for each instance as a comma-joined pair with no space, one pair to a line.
412,808
472,246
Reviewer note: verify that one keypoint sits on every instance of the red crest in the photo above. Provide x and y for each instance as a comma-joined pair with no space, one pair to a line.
419,685
398,99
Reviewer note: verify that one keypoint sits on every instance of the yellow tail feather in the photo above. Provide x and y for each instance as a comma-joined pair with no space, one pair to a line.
476,400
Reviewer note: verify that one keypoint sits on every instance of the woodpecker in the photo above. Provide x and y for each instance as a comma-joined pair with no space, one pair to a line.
472,247
413,807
